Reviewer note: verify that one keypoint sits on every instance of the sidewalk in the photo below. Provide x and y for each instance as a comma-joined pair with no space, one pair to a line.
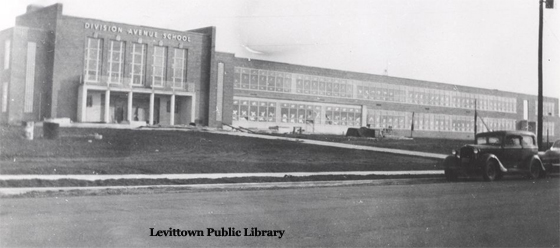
223,186
214,175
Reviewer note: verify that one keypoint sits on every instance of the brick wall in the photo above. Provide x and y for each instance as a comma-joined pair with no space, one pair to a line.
231,62
67,62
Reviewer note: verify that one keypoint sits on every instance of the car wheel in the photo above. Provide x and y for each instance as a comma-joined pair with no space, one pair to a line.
490,171
450,175
535,170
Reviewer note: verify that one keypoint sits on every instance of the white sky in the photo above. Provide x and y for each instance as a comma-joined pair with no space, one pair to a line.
481,43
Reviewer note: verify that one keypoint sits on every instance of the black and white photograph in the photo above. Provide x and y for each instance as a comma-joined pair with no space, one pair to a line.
279,123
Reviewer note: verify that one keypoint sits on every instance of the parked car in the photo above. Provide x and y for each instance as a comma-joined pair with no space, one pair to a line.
551,158
496,154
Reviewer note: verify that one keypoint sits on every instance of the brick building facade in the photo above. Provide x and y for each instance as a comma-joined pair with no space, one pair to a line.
57,66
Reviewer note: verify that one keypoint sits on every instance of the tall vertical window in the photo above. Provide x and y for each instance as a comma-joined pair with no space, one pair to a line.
93,58
158,66
220,91
116,60
179,67
30,77
7,46
137,64
548,108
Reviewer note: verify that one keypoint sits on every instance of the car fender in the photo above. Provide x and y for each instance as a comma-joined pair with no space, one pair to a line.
537,158
484,158
450,161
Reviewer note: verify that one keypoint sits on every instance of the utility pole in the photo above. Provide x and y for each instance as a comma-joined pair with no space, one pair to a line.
549,5
475,121
540,96
412,125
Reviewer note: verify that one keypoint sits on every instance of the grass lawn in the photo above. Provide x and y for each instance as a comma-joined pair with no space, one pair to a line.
157,152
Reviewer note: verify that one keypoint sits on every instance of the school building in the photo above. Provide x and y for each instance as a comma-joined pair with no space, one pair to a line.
88,70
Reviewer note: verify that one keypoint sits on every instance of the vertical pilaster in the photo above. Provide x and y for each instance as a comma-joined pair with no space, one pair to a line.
193,108
129,107
82,103
278,113
355,89
151,119
323,114
364,116
172,110
107,106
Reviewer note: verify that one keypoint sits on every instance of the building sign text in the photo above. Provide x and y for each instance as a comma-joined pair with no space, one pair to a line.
137,32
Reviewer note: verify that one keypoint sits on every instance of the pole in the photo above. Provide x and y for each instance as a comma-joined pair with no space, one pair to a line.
547,142
540,75
475,121
412,125
484,123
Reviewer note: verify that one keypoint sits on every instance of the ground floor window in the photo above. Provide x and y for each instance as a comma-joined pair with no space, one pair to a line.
300,113
344,116
435,122
262,111
289,112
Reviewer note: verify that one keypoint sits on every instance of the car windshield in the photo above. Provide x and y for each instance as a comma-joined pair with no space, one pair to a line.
556,144
488,140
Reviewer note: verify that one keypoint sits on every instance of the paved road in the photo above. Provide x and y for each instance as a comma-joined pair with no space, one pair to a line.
516,212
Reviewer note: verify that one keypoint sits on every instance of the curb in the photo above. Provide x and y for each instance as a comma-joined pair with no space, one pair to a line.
208,187
216,175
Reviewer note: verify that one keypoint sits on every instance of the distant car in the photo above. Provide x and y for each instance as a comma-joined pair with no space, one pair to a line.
551,158
496,154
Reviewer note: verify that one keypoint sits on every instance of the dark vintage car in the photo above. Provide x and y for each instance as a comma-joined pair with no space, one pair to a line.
551,158
496,154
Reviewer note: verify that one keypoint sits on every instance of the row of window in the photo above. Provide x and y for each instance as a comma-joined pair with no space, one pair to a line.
262,80
265,111
326,114
548,108
116,64
431,97
434,122
300,113
254,111
439,122
548,128
267,80
343,116
323,86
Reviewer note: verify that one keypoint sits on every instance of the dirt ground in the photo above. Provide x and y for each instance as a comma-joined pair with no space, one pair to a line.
76,151
432,145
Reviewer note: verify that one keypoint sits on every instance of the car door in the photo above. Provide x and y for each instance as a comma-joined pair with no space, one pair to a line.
530,147
511,155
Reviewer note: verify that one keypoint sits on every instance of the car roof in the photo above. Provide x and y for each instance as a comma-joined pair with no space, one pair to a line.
501,133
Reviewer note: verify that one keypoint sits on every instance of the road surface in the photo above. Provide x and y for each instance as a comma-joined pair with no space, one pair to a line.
513,212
